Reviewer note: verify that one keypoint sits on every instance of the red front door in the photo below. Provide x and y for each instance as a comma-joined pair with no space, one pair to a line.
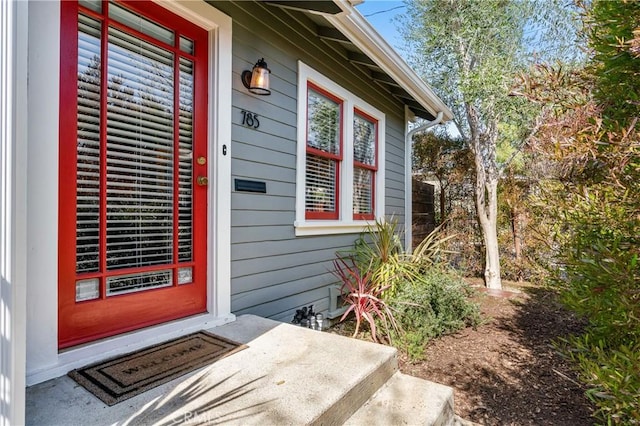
133,155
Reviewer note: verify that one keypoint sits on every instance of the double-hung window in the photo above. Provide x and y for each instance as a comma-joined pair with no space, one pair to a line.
340,185
365,136
324,154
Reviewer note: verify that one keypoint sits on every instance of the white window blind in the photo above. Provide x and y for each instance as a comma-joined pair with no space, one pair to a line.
320,183
362,191
324,140
364,156
185,169
139,153
88,171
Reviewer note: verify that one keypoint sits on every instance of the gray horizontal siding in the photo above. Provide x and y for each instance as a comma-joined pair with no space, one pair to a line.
394,172
258,169
247,234
300,245
283,309
273,273
259,265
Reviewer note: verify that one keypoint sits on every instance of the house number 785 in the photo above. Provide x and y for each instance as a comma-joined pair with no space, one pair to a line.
250,119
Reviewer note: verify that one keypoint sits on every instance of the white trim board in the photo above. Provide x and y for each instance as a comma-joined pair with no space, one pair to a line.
13,204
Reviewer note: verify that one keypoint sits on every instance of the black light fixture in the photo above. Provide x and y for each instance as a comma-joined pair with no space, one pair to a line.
257,80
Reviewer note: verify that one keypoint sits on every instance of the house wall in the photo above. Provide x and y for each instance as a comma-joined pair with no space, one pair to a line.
273,272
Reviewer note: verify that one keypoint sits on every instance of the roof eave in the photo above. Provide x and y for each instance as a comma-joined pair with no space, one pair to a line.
360,32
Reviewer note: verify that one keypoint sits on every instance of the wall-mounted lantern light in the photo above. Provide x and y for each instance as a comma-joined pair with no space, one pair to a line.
257,80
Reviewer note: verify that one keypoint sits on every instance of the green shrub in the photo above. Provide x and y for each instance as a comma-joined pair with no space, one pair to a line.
592,199
406,297
434,304
362,297
601,281
379,251
613,375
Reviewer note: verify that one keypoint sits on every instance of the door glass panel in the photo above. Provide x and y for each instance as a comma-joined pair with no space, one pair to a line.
87,289
186,45
141,24
139,153
135,282
185,275
130,166
185,166
95,5
88,150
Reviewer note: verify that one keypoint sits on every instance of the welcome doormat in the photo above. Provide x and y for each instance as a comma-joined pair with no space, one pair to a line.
121,378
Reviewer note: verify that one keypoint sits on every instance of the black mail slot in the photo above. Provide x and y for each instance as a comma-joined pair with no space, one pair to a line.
250,186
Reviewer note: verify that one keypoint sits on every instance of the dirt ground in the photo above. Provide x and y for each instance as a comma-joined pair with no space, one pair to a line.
507,371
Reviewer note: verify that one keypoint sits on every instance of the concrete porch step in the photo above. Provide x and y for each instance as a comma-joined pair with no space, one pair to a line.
287,375
407,400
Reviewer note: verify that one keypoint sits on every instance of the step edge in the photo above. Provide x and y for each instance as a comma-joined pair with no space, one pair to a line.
359,394
446,415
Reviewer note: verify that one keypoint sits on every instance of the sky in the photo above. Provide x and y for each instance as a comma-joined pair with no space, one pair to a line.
380,14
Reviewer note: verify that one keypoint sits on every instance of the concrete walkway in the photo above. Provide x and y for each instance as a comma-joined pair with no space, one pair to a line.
287,375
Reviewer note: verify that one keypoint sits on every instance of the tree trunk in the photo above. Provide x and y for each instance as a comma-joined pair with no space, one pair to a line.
486,196
517,225
515,216
488,215
442,206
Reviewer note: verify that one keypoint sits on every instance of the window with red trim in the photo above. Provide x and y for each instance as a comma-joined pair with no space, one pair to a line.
324,154
340,172
365,165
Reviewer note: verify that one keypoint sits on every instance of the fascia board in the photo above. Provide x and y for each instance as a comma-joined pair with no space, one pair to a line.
360,32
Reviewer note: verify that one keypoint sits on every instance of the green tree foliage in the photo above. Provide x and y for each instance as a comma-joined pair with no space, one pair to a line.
592,201
471,50
614,53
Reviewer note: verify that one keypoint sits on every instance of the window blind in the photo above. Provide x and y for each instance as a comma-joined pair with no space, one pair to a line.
323,152
320,184
364,156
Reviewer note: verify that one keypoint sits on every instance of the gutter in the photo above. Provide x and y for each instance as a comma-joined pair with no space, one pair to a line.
408,182
360,32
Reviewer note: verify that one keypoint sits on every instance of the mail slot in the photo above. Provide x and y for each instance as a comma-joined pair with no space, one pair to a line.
250,186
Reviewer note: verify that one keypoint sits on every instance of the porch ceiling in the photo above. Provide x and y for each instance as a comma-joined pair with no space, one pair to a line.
325,18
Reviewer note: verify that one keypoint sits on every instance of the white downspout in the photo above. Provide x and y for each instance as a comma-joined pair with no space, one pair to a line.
408,169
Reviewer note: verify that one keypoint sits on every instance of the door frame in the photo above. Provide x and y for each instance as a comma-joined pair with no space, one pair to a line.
44,361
